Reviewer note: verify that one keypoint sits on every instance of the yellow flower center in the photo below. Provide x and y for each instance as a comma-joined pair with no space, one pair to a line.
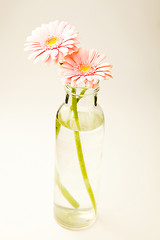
51,41
85,68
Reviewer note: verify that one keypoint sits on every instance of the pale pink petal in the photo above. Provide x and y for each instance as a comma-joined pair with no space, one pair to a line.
73,84
54,53
99,77
35,54
49,60
68,80
100,59
75,78
84,54
63,50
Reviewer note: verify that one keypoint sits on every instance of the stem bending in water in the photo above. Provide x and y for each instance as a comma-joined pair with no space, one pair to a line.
80,152
65,193
62,189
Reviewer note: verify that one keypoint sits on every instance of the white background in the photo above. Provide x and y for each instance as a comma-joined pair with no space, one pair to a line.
128,32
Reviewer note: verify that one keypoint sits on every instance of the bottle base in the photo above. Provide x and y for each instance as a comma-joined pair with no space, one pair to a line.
74,219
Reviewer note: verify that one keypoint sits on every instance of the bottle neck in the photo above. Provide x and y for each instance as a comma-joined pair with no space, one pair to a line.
85,96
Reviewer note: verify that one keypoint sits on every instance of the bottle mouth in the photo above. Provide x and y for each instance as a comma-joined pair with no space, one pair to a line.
81,91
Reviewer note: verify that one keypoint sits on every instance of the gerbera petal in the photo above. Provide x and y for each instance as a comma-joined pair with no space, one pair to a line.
100,59
73,84
35,54
84,55
45,56
104,66
109,75
49,60
63,50
54,53
100,73
51,28
68,80
89,84
93,54
99,77
89,78
39,57
69,42
68,66
60,57
75,78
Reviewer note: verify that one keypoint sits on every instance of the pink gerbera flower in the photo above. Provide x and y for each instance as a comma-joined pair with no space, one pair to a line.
85,68
51,42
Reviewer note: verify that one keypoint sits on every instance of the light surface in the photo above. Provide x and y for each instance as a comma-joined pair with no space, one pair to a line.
129,33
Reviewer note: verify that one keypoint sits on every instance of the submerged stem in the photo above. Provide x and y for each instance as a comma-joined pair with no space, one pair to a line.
58,126
63,190
80,152
83,168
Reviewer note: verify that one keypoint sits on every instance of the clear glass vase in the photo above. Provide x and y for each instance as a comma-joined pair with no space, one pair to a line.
79,142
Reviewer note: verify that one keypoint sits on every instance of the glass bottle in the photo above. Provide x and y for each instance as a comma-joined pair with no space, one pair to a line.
79,142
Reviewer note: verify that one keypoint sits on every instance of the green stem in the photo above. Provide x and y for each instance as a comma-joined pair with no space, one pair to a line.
74,108
58,126
79,98
81,94
80,152
62,189
65,193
